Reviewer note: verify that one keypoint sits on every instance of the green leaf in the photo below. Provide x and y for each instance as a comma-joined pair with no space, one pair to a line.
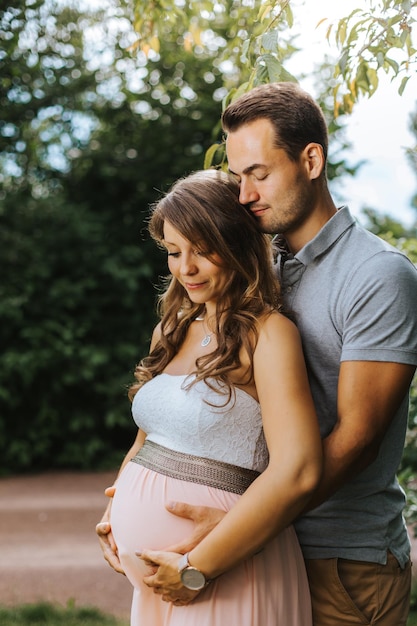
403,85
274,69
270,40
287,76
372,77
395,19
261,74
393,64
361,79
343,61
245,49
209,156
269,68
406,6
353,36
405,37
380,57
328,31
264,11
289,15
341,32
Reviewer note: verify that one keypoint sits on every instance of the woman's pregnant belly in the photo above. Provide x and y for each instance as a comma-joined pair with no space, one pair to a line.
140,520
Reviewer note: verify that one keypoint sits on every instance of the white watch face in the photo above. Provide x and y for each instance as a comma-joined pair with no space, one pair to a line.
193,579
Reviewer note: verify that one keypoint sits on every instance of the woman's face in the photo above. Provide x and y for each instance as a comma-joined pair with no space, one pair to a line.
203,280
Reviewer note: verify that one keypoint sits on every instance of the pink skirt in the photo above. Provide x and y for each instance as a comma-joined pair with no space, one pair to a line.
269,589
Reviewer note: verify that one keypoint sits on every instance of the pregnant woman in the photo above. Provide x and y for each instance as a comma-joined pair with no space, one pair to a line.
225,420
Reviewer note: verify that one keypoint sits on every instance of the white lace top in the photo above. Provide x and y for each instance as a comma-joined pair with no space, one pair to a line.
181,420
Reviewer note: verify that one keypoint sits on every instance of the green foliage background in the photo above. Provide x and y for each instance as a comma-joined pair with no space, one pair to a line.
77,272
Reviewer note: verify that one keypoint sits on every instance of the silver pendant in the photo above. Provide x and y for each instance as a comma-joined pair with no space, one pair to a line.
205,341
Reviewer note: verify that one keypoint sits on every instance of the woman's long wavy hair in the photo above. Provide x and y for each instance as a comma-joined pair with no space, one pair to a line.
204,208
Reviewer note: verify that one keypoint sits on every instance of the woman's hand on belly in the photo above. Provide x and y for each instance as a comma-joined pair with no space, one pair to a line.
167,580
105,536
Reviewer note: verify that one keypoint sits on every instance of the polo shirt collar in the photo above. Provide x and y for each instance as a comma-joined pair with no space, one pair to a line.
325,238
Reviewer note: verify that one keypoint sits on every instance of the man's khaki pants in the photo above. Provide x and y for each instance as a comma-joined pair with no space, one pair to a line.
347,593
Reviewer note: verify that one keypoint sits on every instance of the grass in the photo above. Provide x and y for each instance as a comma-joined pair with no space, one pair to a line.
46,614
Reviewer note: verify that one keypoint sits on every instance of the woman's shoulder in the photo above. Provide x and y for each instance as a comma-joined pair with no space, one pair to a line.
275,320
275,329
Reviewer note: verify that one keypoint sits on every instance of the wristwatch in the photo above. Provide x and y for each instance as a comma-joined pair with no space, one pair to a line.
191,577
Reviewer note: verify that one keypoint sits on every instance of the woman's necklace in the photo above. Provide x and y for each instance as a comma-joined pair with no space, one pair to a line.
207,337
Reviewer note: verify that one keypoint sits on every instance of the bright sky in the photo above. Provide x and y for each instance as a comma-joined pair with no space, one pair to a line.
378,127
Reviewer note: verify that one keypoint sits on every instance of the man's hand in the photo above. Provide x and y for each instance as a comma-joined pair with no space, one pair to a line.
205,518
106,539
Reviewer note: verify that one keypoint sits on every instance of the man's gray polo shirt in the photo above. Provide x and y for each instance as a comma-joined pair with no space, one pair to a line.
354,297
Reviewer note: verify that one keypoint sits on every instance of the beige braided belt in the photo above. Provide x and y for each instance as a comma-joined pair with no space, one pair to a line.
195,469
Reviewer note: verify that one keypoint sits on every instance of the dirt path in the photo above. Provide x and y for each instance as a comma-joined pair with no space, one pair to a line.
48,546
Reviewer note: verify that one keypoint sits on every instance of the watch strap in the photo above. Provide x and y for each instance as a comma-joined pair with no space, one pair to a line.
183,562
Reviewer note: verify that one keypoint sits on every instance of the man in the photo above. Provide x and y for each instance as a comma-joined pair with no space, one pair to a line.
354,299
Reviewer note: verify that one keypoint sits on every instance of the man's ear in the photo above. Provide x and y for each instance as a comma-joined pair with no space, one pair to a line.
314,160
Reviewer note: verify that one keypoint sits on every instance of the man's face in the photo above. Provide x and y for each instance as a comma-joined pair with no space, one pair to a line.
277,190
